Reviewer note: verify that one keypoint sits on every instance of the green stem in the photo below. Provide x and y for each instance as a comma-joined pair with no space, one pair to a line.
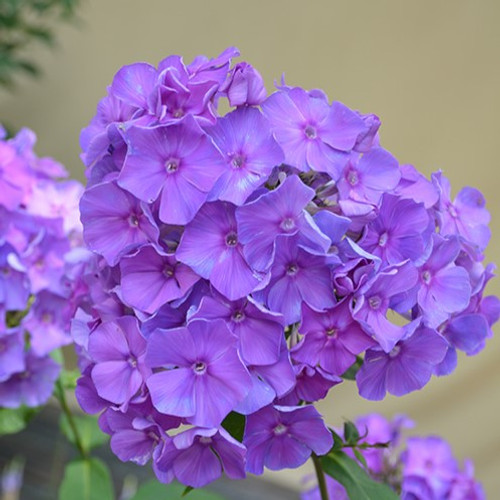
61,396
320,474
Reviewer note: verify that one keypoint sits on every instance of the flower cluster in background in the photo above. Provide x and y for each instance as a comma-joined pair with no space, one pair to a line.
418,468
245,263
41,258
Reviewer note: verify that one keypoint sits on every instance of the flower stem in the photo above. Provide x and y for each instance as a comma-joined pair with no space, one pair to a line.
61,397
320,474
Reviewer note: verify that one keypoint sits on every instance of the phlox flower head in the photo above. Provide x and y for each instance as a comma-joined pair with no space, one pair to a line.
245,263
41,264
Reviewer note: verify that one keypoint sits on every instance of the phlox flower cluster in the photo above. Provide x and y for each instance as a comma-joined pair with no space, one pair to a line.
41,258
245,262
418,468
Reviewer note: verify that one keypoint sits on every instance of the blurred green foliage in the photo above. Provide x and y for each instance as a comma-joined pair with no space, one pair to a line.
22,23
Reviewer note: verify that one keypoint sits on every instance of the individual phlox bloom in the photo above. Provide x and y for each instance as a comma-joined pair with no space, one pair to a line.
312,384
11,352
31,387
60,200
278,212
279,437
177,163
368,138
221,257
466,215
313,134
86,393
12,177
47,322
366,178
115,222
444,287
44,260
244,138
464,486
331,339
199,456
332,225
118,350
298,276
401,231
14,283
373,301
246,86
406,368
269,382
260,332
204,377
95,139
415,186
431,460
136,433
134,85
150,278
190,90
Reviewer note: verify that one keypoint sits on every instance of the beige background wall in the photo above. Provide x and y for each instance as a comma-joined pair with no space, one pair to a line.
429,68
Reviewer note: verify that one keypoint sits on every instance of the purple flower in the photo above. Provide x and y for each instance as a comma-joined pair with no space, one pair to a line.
31,387
284,437
204,377
198,456
373,301
313,134
177,163
14,285
297,276
244,138
114,229
246,86
118,350
150,279
406,368
11,353
279,212
221,259
332,339
444,287
260,332
400,231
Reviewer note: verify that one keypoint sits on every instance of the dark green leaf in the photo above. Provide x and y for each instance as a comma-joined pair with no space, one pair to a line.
360,457
351,434
153,490
350,373
358,484
86,480
88,429
338,442
12,421
234,423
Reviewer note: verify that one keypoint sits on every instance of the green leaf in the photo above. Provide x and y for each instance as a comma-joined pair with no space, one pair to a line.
234,423
358,484
88,429
187,489
351,433
153,490
350,373
361,458
338,442
12,421
86,480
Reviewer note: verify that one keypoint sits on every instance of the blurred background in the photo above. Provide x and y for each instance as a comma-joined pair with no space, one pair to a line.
430,70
